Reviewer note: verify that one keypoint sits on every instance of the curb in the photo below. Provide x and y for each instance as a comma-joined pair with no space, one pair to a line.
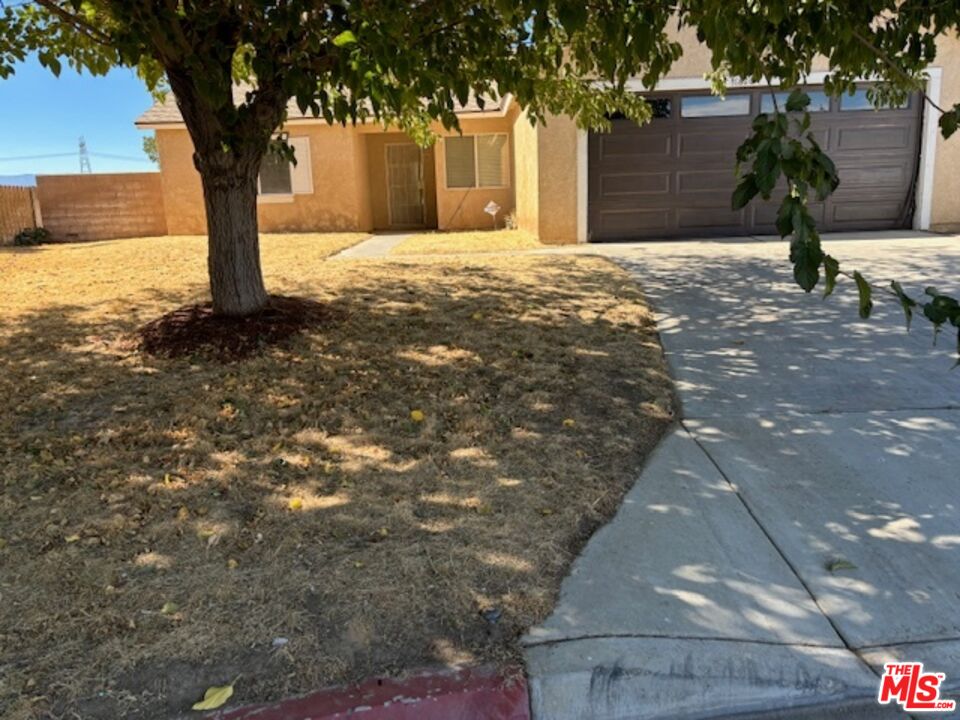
473,694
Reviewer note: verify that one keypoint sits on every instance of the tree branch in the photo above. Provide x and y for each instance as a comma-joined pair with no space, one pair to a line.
93,33
882,56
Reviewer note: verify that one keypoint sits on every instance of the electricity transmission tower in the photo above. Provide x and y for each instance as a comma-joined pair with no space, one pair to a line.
84,157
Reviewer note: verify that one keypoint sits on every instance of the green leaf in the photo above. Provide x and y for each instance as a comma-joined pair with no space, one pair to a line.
345,38
906,302
745,192
831,268
806,256
797,101
865,292
949,122
789,216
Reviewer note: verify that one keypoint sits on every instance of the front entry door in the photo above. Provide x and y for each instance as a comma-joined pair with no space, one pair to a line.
405,185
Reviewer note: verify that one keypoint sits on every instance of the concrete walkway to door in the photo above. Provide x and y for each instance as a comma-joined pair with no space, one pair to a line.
374,247
800,527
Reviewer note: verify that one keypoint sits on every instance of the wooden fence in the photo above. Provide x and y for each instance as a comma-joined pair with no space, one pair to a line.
19,210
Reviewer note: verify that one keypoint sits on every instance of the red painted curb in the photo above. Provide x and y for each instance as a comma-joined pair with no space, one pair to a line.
461,695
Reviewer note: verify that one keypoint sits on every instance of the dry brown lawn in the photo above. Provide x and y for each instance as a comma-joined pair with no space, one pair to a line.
477,241
170,525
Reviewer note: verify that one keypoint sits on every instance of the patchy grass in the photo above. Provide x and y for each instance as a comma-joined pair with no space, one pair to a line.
346,505
476,241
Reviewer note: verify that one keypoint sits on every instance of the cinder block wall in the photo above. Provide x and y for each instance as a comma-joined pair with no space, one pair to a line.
102,206
16,211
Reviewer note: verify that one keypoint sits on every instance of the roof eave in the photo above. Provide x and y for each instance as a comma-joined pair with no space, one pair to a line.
500,112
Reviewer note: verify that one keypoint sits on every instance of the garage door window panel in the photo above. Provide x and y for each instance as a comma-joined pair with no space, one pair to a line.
819,101
860,101
711,106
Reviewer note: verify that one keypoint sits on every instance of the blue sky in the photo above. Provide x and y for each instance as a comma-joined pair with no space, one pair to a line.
41,114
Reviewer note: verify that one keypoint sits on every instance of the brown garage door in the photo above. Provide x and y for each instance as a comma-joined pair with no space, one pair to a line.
674,176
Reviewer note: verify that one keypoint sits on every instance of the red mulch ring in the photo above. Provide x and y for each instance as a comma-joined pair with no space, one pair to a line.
195,330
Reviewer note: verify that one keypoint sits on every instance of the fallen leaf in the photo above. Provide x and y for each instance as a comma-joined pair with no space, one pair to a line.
840,564
71,538
214,697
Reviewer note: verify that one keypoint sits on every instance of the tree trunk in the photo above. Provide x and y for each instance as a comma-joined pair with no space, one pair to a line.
233,259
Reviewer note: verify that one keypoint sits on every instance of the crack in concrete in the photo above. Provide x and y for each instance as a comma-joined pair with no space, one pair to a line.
743,501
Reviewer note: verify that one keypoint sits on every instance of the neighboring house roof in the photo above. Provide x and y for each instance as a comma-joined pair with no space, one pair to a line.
167,112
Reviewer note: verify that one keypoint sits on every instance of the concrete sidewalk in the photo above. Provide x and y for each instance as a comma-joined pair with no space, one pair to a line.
800,528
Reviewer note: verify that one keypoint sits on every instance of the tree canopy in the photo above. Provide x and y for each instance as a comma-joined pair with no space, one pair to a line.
409,62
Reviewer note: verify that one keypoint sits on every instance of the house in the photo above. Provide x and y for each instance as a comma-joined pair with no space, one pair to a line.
671,178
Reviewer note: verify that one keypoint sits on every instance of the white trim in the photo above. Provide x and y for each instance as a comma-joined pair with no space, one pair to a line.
582,184
928,151
701,83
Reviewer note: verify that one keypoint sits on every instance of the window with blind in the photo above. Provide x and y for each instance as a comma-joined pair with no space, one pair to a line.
477,161
275,176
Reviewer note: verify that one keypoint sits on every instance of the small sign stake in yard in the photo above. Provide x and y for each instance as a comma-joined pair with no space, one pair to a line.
492,209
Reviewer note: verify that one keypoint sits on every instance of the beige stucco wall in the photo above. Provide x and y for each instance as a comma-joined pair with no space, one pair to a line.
182,192
526,173
462,209
557,140
340,199
377,173
945,211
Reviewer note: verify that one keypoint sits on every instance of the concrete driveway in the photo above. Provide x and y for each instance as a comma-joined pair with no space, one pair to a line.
801,527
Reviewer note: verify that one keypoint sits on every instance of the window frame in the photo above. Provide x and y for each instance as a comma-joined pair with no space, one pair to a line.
301,145
782,96
505,175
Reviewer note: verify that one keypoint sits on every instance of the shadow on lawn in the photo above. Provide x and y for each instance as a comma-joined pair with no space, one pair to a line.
173,524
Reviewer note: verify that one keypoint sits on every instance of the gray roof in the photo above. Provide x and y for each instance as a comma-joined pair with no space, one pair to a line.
167,111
